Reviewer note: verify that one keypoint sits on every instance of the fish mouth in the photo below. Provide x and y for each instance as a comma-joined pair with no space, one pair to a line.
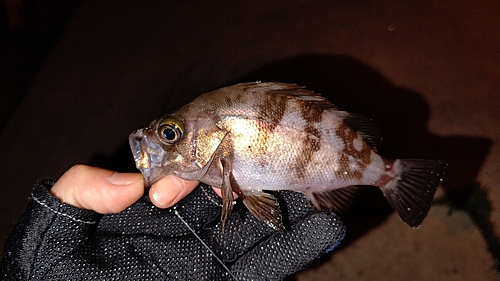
147,154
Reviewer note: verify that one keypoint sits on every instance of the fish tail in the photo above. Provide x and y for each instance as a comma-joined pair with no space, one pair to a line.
411,193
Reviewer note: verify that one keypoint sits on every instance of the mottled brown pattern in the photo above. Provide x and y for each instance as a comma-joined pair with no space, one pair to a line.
217,101
312,141
310,145
388,163
229,101
271,109
238,97
348,135
344,171
312,114
309,129
384,178
266,130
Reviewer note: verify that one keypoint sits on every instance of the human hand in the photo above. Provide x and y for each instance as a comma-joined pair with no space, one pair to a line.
186,242
247,249
107,192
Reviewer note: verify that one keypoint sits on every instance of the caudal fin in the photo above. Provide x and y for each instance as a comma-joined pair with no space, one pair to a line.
412,192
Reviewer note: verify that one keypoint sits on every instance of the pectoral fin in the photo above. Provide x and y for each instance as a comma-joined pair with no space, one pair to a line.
226,190
263,206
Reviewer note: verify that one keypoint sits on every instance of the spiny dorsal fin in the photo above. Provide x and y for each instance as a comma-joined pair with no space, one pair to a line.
338,200
289,90
363,125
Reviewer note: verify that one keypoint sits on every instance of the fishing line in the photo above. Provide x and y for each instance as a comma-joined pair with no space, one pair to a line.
204,244
210,197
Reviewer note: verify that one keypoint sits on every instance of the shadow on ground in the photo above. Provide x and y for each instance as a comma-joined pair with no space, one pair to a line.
401,114
479,208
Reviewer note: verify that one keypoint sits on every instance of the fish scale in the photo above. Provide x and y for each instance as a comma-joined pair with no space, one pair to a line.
253,137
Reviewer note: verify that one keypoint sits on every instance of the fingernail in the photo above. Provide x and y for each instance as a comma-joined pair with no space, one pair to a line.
166,195
156,195
124,178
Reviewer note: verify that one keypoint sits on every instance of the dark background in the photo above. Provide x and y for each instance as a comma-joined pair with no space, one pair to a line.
77,77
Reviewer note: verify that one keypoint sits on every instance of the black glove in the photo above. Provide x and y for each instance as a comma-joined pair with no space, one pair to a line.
55,241
248,248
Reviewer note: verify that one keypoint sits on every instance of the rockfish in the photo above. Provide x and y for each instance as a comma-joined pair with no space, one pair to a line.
253,137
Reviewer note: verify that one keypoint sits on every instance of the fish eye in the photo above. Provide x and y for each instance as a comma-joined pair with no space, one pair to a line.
170,130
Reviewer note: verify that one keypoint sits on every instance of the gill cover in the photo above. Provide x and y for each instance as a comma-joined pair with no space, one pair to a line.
202,138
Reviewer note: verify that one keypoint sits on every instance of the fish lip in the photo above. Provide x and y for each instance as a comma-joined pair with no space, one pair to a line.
134,141
149,178
147,155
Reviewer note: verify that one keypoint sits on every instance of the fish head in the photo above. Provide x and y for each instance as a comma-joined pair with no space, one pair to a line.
175,144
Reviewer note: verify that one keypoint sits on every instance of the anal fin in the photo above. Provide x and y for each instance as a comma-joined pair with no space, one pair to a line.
264,207
337,200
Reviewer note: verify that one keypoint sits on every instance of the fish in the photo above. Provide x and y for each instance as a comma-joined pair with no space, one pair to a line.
253,138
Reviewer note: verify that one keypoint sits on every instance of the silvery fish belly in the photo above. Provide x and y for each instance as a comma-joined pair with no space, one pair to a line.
253,137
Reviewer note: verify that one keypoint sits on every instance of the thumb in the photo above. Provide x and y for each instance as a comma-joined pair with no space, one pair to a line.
169,190
98,189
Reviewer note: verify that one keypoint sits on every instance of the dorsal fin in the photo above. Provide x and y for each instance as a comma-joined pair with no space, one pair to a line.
308,96
365,127
290,90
